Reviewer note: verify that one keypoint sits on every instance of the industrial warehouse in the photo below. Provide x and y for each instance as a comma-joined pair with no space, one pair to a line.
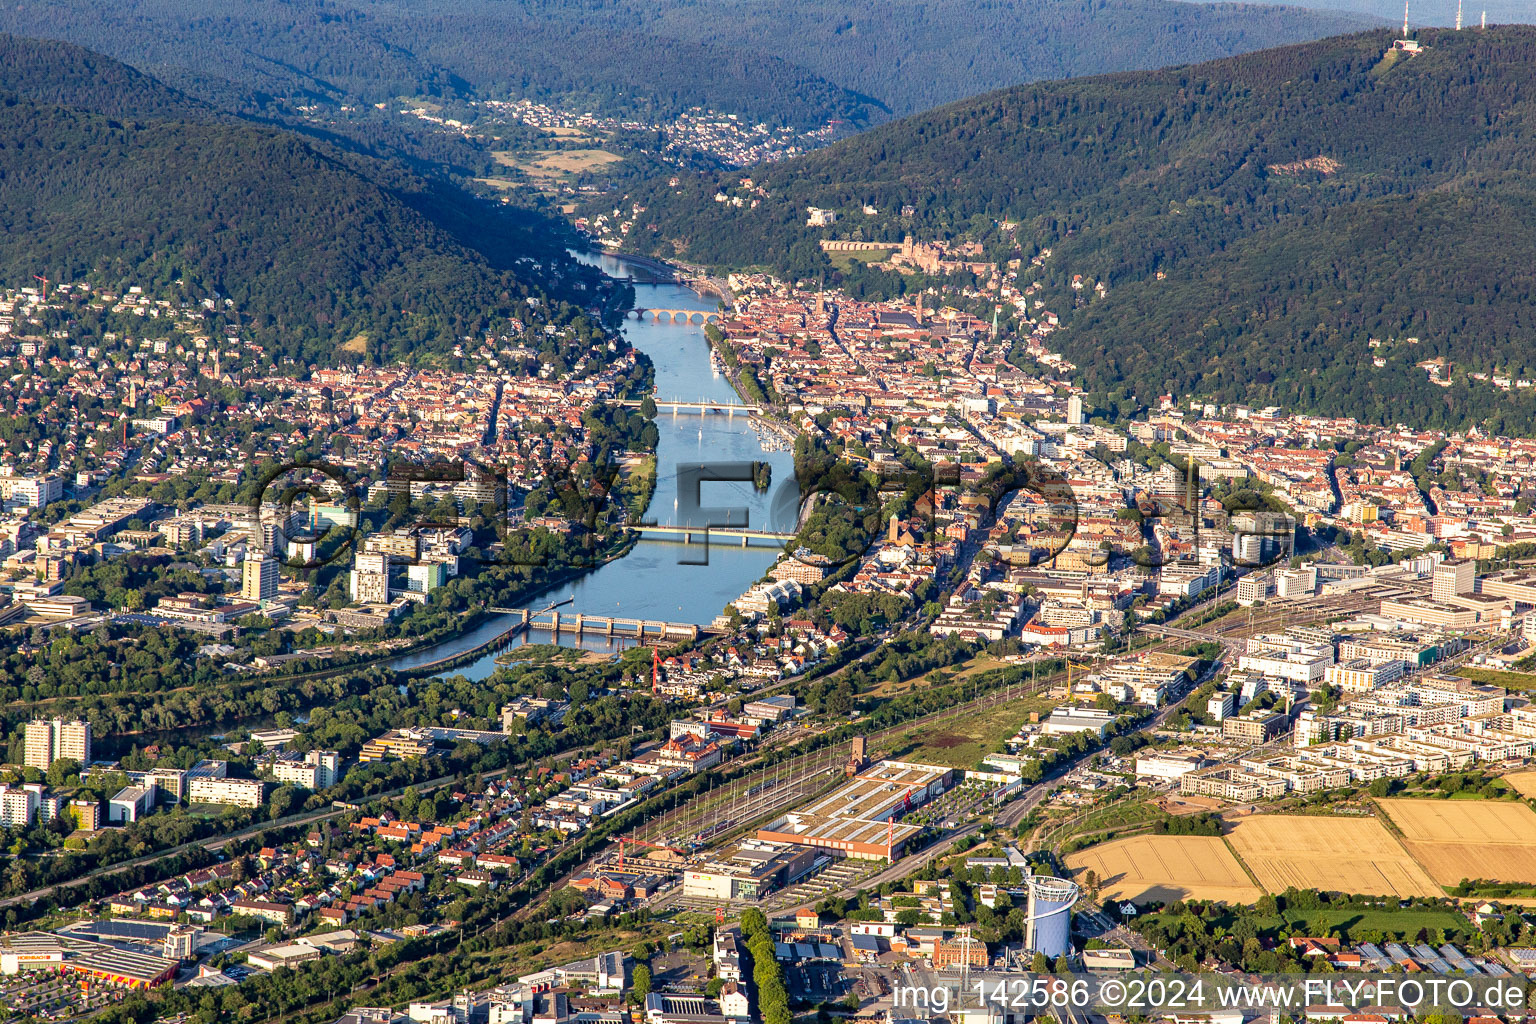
859,819
45,951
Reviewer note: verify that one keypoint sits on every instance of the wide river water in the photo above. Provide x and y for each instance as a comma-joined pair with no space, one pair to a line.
649,582
655,580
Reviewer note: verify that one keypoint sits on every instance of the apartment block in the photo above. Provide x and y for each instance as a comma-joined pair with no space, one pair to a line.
49,740
240,792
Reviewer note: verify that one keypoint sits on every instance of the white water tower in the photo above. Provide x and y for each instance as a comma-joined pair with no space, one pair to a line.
1048,928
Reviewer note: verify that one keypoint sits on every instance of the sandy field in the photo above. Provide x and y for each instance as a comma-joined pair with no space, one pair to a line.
1456,839
1166,868
1349,855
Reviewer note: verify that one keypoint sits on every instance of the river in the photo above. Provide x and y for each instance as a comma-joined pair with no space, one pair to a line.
655,580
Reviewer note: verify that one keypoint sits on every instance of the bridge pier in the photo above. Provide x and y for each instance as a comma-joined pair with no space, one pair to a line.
580,621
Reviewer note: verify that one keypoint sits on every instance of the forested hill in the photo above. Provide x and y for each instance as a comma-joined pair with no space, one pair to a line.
1257,220
800,62
318,245
916,54
73,76
243,52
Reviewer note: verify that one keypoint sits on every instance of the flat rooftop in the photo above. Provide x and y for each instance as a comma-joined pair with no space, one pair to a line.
84,954
841,830
871,794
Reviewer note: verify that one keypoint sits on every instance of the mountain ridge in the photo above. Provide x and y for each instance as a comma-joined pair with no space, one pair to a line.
805,62
135,184
1229,272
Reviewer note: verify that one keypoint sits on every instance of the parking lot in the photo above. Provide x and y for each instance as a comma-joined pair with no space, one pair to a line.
679,971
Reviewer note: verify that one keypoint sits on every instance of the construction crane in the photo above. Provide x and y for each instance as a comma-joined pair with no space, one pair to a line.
46,283
655,670
1070,666
641,842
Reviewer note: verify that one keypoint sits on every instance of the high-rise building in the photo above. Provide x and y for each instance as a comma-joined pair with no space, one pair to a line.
18,807
48,740
258,578
425,577
1451,579
87,814
1075,412
370,578
320,769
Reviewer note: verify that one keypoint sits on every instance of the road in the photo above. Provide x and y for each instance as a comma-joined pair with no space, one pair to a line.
1116,934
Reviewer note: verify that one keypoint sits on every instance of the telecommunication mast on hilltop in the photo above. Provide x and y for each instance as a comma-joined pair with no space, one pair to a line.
1458,15
1405,44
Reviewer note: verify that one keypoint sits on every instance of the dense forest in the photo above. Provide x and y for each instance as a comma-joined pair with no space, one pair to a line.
1268,227
916,54
132,183
802,63
238,52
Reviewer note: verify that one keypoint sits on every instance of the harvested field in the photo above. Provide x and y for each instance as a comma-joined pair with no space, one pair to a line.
1456,839
1523,782
1349,855
555,163
1167,868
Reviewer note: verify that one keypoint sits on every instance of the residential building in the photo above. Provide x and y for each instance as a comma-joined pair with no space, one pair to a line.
259,577
1255,727
87,814
370,578
1360,675
50,740
1222,705
19,805
320,769
240,792
277,913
